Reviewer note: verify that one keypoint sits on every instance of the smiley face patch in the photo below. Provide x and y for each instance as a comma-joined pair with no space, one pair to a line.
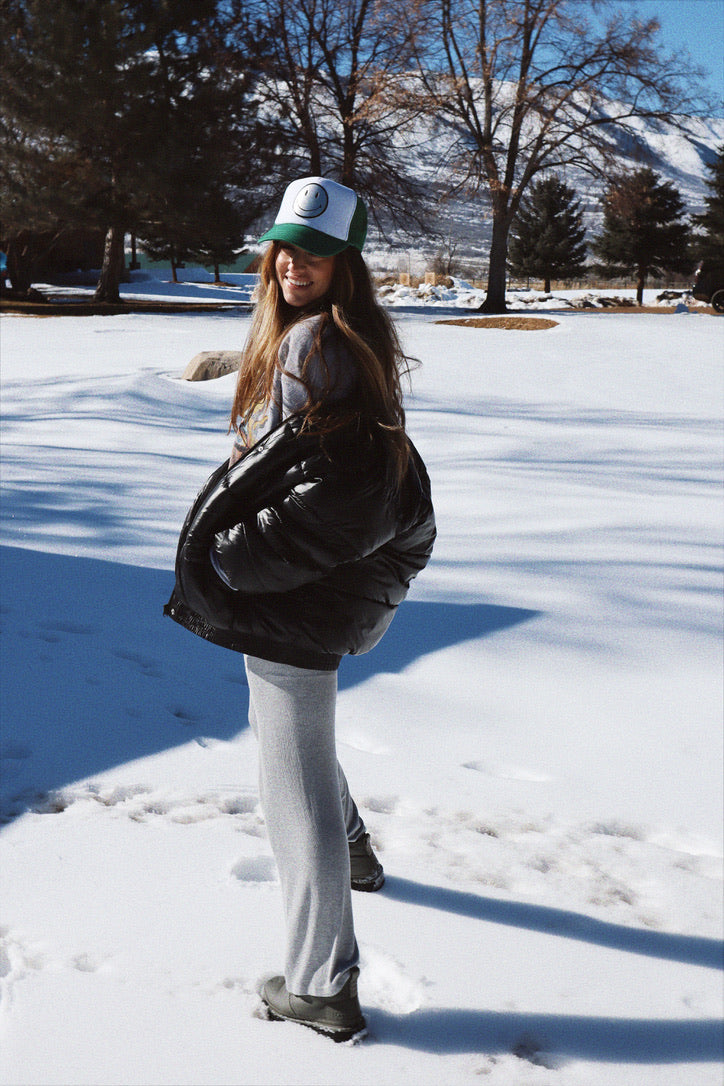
310,202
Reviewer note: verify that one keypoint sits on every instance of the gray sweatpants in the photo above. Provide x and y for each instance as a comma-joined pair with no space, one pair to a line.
310,816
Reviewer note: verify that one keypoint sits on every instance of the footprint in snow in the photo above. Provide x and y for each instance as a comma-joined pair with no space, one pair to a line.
360,742
533,1050
255,869
140,803
237,805
388,985
15,963
615,828
240,984
60,799
381,804
64,627
509,772
85,963
183,715
6,966
147,667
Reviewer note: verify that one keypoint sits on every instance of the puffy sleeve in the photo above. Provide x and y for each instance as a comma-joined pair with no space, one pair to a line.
324,521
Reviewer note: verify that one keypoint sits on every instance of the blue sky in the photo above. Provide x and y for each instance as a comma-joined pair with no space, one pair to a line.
696,25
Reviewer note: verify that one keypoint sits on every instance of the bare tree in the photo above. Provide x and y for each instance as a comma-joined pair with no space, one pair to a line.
537,85
338,81
447,257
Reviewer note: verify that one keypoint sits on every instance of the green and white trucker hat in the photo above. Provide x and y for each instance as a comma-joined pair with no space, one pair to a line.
320,216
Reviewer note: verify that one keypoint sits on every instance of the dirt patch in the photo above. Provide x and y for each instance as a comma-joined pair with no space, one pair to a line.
93,309
519,324
534,323
666,309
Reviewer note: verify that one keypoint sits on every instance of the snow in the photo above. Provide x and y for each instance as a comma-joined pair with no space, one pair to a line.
535,745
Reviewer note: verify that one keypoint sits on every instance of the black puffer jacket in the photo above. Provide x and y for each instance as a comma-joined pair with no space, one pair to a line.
316,539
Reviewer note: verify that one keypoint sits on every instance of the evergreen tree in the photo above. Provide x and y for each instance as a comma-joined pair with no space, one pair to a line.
643,231
107,108
711,243
185,226
547,235
220,167
78,93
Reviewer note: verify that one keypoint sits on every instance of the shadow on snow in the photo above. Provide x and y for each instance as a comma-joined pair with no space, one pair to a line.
690,949
548,1040
93,676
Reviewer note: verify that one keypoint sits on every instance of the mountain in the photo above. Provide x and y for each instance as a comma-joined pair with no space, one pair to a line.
679,153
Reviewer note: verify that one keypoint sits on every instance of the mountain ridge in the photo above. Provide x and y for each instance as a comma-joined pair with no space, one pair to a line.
678,151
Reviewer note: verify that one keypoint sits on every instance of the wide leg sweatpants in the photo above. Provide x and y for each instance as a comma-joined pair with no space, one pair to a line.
310,817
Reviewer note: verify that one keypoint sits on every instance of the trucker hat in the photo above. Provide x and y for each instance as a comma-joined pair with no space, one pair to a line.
320,216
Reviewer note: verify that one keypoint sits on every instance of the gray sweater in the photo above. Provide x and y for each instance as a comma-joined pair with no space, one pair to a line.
289,394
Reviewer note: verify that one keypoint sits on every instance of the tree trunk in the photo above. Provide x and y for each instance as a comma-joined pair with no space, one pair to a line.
315,156
495,297
348,156
640,280
174,276
547,285
110,277
134,265
217,274
19,270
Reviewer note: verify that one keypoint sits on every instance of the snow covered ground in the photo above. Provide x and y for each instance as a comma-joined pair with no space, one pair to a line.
197,285
536,743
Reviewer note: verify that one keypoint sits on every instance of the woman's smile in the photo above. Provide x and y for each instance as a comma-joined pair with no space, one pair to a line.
303,278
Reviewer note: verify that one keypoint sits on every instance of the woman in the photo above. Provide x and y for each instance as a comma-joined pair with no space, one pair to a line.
299,551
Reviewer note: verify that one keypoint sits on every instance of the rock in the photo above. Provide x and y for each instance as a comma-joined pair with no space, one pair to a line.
208,365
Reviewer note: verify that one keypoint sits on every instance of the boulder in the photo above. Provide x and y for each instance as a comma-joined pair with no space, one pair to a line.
207,365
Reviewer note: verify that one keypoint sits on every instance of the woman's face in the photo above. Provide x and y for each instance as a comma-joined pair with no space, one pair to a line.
303,278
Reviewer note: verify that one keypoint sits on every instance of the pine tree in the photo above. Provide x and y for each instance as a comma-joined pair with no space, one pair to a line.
77,94
107,109
643,231
711,243
547,235
195,220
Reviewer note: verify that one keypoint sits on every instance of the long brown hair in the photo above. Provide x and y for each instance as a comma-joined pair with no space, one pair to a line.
367,332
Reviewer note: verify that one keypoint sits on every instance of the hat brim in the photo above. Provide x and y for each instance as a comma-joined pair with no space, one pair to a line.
304,237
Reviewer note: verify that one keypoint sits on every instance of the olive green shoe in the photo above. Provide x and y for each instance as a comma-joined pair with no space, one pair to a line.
338,1016
366,869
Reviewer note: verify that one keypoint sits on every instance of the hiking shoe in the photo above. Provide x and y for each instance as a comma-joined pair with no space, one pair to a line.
338,1017
366,869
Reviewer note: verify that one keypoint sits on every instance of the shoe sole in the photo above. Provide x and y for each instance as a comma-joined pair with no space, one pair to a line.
370,884
339,1036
